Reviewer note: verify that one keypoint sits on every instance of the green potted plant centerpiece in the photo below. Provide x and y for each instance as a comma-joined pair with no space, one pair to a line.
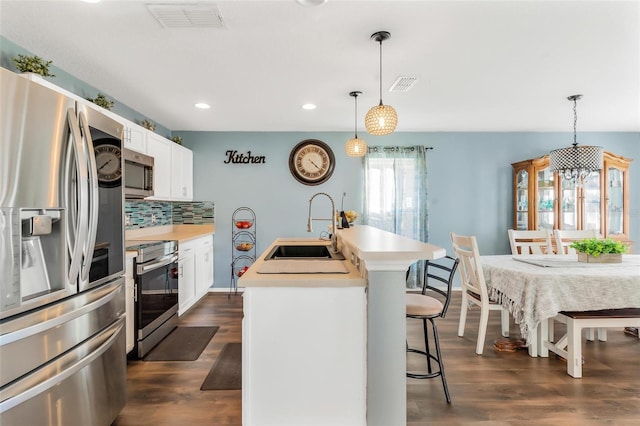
33,64
102,101
595,250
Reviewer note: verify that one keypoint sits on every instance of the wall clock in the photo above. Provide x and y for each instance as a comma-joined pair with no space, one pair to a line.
311,162
108,163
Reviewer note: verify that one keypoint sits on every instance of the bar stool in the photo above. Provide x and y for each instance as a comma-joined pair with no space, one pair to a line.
425,307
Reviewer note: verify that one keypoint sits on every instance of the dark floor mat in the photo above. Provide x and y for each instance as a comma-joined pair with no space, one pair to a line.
226,373
182,344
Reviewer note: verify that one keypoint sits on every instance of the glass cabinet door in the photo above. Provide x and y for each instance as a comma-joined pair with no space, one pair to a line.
546,196
568,205
591,198
615,201
522,200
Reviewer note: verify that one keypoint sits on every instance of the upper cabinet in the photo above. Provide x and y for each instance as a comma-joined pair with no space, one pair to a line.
181,173
541,200
135,137
160,149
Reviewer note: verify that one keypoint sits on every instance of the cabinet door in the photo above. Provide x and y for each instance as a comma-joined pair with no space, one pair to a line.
204,265
186,282
521,197
182,173
591,194
160,149
616,199
545,198
135,138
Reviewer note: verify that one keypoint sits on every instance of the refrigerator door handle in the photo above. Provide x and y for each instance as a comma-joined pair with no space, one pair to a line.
28,330
77,221
93,199
12,400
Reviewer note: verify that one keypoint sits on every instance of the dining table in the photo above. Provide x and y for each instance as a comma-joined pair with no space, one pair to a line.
535,288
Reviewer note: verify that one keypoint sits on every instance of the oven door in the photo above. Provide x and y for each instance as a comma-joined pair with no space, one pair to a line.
156,294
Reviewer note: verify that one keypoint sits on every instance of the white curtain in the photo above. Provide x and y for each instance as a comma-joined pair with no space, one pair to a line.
395,195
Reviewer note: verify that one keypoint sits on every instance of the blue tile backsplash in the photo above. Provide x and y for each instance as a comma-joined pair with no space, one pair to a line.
145,214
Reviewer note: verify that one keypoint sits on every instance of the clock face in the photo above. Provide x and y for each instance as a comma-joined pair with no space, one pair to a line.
108,164
311,162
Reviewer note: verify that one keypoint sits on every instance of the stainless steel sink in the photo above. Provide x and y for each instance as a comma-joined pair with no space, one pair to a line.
303,252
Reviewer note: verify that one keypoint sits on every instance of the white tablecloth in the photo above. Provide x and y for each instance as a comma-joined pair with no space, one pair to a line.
545,285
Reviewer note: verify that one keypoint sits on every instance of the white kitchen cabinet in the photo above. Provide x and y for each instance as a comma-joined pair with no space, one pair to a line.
186,276
181,173
204,265
135,137
160,149
129,283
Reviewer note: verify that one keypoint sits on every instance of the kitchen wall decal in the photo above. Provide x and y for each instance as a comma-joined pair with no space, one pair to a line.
234,157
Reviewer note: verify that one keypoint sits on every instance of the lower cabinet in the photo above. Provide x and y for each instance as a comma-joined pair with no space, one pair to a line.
186,276
195,271
204,265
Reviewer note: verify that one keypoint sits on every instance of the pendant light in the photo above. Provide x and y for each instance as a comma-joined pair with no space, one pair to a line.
381,119
575,163
356,147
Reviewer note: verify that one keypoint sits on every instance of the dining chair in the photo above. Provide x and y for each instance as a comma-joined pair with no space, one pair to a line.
530,242
430,304
474,289
564,238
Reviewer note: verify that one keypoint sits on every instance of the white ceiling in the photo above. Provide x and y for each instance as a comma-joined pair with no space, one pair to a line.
482,66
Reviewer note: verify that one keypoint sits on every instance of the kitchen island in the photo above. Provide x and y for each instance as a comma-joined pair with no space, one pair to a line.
323,348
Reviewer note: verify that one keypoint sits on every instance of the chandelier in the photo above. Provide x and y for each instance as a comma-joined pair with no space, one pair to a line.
381,119
356,147
575,163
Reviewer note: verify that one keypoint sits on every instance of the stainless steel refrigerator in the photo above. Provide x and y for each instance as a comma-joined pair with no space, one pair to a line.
62,336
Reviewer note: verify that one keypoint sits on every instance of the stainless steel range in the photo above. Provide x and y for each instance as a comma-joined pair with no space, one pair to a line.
156,292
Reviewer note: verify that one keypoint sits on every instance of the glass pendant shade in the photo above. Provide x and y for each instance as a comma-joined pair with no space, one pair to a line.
356,147
575,163
381,120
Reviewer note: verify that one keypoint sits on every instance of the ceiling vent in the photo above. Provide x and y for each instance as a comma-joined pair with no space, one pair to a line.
187,15
403,84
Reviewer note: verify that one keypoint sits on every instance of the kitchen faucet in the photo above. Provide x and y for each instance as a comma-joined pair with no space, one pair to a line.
334,239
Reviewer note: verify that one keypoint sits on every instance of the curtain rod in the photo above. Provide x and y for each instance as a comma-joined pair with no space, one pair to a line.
397,148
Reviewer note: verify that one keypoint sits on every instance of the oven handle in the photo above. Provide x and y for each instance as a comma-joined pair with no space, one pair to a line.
163,261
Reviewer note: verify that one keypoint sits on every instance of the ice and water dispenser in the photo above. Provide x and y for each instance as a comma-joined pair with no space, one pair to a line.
33,255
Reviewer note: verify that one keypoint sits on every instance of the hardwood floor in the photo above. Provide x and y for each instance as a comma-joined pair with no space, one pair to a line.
497,388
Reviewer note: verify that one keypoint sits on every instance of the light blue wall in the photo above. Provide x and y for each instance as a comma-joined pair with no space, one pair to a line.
470,188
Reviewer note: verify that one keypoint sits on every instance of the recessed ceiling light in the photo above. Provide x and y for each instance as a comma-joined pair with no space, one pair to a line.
311,2
91,1
309,106
202,105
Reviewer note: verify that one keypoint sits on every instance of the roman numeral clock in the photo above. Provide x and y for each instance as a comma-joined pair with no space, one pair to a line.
311,162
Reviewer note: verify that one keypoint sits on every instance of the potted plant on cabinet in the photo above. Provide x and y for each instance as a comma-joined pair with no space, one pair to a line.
33,64
599,251
102,101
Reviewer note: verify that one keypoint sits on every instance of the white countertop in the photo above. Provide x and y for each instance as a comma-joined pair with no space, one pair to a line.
252,278
375,245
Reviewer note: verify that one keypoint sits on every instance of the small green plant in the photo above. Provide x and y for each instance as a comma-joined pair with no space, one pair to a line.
596,247
34,64
149,125
177,139
102,101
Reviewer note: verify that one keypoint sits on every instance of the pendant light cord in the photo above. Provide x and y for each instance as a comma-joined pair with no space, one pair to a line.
355,121
575,121
381,71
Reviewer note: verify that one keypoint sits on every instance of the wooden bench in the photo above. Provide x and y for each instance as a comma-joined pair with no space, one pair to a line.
569,346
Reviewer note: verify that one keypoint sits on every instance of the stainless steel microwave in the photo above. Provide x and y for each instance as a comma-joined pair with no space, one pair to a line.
138,175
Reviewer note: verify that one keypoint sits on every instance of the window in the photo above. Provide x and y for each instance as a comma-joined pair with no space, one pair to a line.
396,193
